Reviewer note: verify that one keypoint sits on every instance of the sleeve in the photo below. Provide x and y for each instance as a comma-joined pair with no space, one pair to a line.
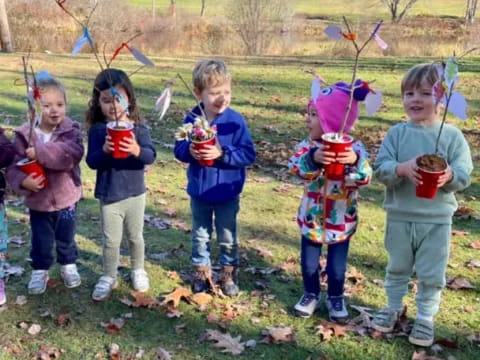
360,173
385,167
61,155
96,157
301,164
13,174
242,152
147,150
7,151
461,164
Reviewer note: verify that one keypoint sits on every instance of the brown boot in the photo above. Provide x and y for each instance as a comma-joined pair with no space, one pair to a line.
201,275
229,280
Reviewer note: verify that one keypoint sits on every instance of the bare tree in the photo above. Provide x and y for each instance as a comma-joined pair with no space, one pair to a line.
470,11
204,7
173,8
5,38
256,21
394,7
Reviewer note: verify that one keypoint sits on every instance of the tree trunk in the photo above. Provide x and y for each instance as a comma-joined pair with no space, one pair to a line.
204,7
5,38
470,11
173,8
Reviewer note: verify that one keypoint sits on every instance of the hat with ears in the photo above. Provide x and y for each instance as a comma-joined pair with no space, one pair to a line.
331,104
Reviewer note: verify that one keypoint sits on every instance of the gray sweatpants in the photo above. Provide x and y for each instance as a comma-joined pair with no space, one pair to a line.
128,213
422,248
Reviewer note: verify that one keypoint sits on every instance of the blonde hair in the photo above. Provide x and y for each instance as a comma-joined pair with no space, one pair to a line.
209,72
52,83
420,75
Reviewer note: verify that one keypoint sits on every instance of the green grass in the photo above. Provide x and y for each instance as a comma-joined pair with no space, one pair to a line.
272,94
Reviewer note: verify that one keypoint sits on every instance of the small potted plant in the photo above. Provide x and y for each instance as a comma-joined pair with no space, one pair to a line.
432,166
29,166
200,133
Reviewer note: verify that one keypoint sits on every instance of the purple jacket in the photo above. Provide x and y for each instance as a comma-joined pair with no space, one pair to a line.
7,151
60,158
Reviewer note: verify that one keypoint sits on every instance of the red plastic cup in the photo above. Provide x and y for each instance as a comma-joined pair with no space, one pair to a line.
428,188
28,167
201,145
334,171
118,135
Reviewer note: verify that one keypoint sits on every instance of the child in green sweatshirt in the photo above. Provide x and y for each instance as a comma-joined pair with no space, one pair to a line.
418,230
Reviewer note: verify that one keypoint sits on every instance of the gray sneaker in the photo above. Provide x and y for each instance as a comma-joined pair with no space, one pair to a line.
104,288
306,306
385,320
422,333
140,280
38,282
337,310
71,277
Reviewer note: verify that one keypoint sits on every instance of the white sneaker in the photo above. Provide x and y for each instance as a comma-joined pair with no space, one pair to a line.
71,277
38,282
306,306
140,280
104,288
336,309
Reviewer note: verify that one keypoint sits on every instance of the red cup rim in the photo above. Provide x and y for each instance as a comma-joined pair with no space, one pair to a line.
111,125
432,172
25,161
344,140
203,141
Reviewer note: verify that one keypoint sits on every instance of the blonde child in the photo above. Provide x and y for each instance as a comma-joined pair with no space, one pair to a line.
418,230
120,184
215,190
57,146
7,152
328,210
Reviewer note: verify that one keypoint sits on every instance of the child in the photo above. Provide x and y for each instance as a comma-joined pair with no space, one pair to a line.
215,190
418,230
328,210
58,148
120,184
7,152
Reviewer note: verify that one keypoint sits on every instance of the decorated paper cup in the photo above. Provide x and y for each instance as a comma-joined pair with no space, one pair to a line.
123,131
201,145
334,171
32,167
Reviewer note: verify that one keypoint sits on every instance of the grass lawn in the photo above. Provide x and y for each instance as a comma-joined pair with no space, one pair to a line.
272,94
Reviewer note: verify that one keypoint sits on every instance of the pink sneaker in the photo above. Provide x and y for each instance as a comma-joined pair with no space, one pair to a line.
3,296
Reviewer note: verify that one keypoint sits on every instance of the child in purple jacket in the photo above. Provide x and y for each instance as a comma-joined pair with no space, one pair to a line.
7,152
57,146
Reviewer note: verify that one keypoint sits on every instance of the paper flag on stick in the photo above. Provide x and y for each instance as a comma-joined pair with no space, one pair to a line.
163,103
451,72
380,42
457,105
373,102
43,75
140,57
121,99
333,32
316,87
86,38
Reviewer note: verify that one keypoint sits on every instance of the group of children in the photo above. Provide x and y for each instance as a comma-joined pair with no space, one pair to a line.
417,231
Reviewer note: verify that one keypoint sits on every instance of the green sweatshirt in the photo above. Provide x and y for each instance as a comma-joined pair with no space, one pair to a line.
405,141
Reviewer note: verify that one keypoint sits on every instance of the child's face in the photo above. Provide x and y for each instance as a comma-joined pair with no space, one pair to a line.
313,124
419,105
54,108
111,107
216,98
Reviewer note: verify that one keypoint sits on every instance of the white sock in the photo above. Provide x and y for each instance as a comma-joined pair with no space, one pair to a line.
424,317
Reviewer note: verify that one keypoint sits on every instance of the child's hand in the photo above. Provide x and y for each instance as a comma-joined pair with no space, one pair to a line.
130,145
33,183
409,169
31,154
320,156
211,152
108,145
194,152
347,157
446,177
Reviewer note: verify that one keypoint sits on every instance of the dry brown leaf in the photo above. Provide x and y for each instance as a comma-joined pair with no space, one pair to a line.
114,325
460,233
34,329
283,188
201,299
172,313
141,300
459,284
278,334
447,343
475,244
327,330
21,300
263,252
47,353
354,275
175,296
173,275
163,354
473,264
226,342
62,320
422,355
172,212
114,352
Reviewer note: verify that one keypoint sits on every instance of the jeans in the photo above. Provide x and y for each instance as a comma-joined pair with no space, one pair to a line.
225,215
336,267
3,239
49,228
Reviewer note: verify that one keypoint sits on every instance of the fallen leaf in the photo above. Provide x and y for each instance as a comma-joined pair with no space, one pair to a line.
172,313
226,342
447,343
47,353
16,240
180,328
460,233
327,330
114,325
173,275
422,355
201,299
141,300
62,320
263,252
473,264
21,300
459,284
475,244
176,295
172,212
283,188
114,352
15,270
278,334
354,275
34,329
163,354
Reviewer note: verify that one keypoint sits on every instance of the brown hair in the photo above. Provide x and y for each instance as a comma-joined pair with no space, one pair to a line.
419,75
52,83
209,72
107,79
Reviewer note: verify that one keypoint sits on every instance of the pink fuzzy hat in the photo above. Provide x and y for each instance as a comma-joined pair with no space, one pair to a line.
331,105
